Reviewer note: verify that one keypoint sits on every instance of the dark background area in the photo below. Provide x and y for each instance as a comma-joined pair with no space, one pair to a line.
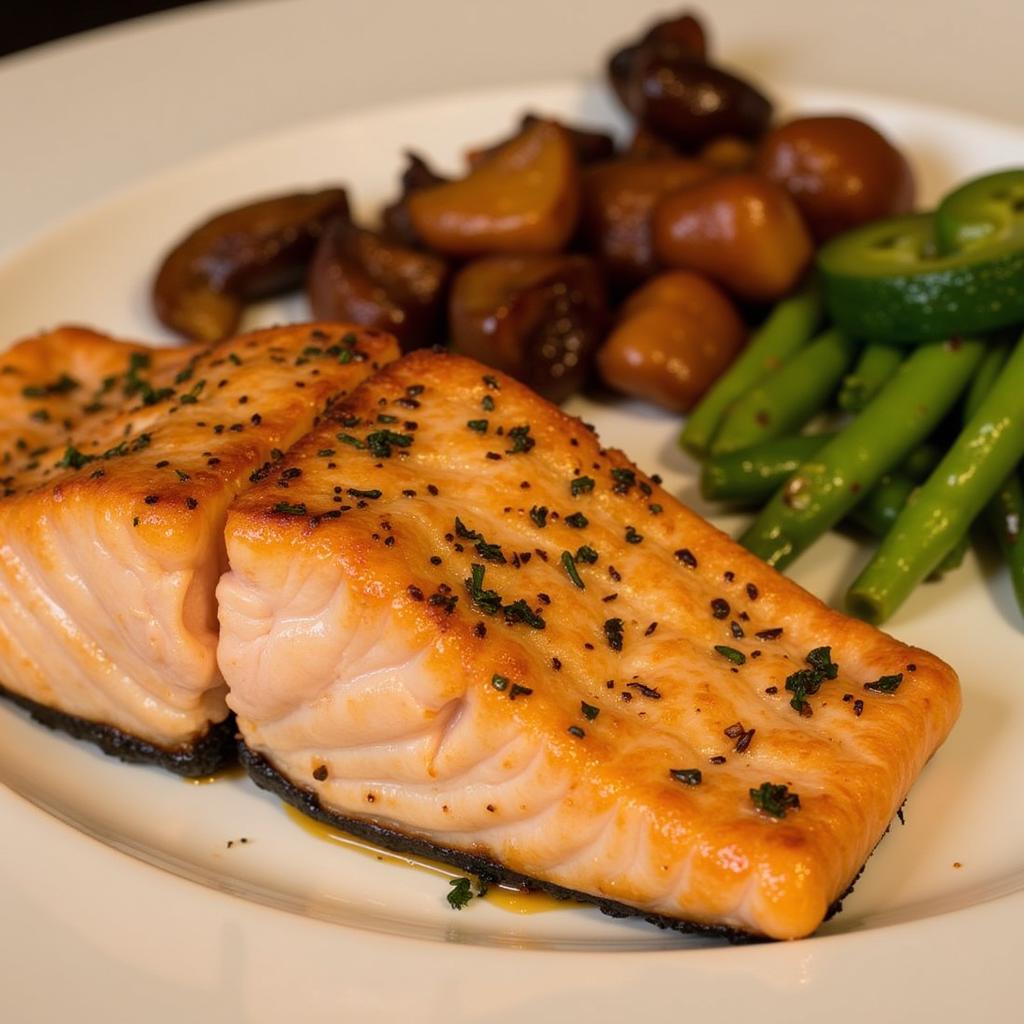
24,24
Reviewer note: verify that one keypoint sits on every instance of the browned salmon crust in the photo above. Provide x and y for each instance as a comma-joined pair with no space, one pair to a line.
207,755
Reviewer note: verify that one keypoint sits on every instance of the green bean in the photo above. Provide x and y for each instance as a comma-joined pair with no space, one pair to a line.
919,464
751,476
882,504
900,417
788,328
944,506
877,363
952,559
1004,514
1005,517
786,399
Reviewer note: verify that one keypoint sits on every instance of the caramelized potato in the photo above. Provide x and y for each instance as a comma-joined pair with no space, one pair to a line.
538,318
675,336
619,198
739,229
359,277
524,198
728,153
681,36
588,145
645,145
840,172
689,102
396,224
239,255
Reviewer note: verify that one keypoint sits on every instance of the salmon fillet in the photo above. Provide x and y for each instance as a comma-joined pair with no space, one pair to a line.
471,627
117,465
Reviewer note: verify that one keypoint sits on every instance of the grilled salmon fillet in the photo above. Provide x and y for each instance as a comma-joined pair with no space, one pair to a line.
117,465
467,626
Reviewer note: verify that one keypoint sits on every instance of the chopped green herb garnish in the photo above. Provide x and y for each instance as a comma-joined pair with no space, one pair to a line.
520,611
284,508
774,800
380,442
581,485
655,509
40,416
492,382
821,659
521,440
461,893
386,418
193,395
736,657
539,514
349,439
613,633
589,711
624,480
233,358
806,682
373,493
463,531
569,564
184,376
346,355
480,426
487,404
61,386
586,554
488,601
182,475
325,453
490,552
885,684
74,459
577,520
687,776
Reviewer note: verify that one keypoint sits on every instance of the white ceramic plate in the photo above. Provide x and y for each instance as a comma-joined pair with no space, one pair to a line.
963,842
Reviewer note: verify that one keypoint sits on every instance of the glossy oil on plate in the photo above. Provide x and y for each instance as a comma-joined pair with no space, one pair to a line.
962,843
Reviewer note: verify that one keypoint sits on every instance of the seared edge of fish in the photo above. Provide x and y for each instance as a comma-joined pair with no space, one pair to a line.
117,465
475,627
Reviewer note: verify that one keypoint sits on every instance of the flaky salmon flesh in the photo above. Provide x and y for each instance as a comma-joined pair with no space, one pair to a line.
117,466
466,622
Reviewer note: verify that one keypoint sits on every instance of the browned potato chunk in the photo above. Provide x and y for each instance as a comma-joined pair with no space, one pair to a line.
396,224
739,229
525,198
359,277
538,318
589,145
242,254
675,336
618,203
728,153
840,171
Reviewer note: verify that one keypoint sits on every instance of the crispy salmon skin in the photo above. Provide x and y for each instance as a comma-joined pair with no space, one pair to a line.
117,465
470,624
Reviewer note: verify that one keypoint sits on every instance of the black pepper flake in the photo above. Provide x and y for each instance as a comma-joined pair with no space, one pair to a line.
539,515
577,521
858,707
744,741
613,633
431,489
645,691
589,711
480,426
687,776
624,480
632,537
499,682
493,456
769,634
151,499
717,759
685,555
581,485
752,592
320,773
575,730
519,691
649,631
728,576
415,593
556,664
720,608
521,440
736,629
480,630
543,598
487,404
435,560
191,504
614,574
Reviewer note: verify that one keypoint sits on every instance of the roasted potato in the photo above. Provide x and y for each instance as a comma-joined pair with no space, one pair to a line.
538,318
396,224
739,229
619,198
358,276
840,171
242,254
523,198
674,337
589,145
